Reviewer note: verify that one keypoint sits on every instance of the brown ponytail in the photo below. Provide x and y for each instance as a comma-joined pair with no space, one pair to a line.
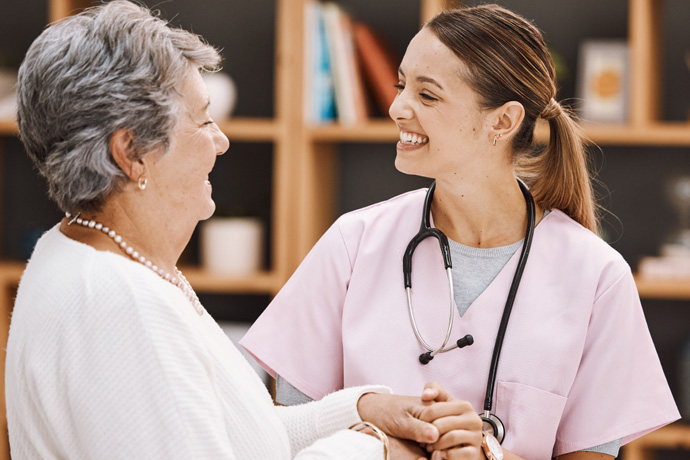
559,176
508,60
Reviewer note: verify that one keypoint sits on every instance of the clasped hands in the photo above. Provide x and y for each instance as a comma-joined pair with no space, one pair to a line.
435,426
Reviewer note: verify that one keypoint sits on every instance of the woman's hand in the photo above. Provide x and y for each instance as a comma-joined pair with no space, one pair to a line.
458,424
398,416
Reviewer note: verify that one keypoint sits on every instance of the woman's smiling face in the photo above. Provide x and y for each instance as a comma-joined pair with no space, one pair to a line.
180,176
442,127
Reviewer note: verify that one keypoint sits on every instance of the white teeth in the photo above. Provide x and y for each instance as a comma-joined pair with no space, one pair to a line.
412,139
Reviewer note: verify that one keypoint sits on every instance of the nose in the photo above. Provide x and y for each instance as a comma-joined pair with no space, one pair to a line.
400,108
221,141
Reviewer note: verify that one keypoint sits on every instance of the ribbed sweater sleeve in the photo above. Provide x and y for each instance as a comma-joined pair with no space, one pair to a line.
322,425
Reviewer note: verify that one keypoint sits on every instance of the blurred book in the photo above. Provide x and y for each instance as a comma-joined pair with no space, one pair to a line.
334,69
319,99
347,84
378,63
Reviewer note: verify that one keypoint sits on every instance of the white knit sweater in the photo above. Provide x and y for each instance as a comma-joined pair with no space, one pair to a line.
106,360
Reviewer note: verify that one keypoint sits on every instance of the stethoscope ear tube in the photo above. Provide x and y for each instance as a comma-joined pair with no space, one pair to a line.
425,231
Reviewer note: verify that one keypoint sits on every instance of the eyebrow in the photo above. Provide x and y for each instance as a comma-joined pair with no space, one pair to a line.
423,79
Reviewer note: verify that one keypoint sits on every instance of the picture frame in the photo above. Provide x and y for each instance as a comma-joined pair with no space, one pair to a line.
603,81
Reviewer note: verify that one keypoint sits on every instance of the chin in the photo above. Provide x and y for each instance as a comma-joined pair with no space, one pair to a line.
409,167
210,210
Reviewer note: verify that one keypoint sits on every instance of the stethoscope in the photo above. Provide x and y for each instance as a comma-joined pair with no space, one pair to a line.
492,423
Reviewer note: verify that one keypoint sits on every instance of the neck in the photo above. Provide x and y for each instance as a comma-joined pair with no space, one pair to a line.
161,244
481,214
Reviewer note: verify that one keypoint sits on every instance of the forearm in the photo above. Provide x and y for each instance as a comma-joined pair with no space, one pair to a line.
310,422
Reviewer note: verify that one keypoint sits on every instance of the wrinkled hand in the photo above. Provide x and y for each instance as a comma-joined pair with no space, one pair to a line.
398,416
458,424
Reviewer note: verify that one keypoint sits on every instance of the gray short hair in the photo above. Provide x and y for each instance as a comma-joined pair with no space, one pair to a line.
112,67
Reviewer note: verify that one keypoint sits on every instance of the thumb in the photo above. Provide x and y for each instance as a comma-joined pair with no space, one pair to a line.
435,392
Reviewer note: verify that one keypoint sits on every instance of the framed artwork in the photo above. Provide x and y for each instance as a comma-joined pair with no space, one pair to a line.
602,85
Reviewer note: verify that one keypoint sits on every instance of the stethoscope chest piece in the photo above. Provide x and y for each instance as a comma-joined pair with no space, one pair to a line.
493,425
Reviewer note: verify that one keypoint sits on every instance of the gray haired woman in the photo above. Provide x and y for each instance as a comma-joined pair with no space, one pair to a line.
110,353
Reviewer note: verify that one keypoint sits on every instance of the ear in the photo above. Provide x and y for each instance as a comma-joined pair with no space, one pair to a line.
122,150
508,119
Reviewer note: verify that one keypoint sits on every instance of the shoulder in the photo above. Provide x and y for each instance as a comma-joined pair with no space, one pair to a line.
68,278
406,207
578,249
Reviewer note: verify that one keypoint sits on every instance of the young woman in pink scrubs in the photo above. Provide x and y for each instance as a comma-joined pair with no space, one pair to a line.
578,374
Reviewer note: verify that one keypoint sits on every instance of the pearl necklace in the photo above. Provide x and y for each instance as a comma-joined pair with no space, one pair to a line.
179,280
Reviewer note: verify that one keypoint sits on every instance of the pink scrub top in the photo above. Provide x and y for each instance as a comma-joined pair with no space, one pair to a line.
578,366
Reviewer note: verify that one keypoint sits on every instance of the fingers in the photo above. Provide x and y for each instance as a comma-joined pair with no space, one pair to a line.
466,421
445,409
417,430
458,453
397,416
457,439
435,392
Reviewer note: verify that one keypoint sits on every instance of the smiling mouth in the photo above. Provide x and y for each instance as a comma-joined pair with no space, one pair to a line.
408,138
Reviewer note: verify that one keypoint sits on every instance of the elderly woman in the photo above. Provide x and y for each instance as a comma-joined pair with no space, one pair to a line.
111,354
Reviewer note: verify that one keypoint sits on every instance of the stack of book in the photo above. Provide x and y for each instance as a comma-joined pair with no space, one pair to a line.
345,61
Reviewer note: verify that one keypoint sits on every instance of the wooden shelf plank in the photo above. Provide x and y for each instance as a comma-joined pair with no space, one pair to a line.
380,130
247,129
656,288
250,129
202,280
666,134
237,129
206,281
269,282
10,272
8,127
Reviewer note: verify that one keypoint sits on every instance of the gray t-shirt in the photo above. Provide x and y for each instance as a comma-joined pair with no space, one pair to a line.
475,268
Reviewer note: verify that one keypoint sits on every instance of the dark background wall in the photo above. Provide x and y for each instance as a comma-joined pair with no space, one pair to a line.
632,178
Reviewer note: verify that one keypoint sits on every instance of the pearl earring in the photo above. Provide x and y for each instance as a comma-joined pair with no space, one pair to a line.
141,183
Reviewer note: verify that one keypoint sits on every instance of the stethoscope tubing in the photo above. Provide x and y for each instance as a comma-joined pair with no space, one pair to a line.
441,349
498,345
426,231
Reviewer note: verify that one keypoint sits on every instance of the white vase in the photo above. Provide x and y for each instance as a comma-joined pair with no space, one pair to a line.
232,245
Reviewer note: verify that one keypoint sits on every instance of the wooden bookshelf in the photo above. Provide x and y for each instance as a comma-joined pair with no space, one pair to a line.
305,166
